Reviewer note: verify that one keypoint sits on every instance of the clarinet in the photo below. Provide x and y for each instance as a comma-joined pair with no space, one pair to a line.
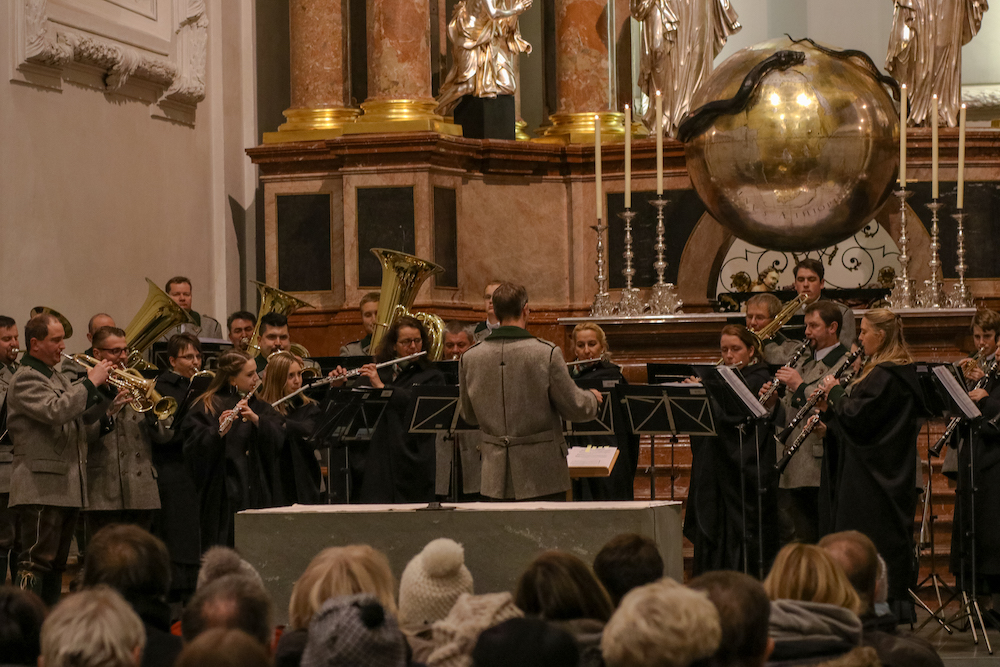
775,382
818,393
938,446
231,417
813,420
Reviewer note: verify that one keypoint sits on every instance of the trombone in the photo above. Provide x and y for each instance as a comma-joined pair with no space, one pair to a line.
143,391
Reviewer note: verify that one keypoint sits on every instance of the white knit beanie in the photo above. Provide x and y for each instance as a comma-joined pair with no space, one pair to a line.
432,582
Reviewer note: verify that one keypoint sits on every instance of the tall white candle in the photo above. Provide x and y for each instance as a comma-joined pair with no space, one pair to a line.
597,165
659,143
628,157
961,158
934,147
902,137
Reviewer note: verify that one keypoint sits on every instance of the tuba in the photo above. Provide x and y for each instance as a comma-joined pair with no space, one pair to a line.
402,276
157,315
67,327
272,300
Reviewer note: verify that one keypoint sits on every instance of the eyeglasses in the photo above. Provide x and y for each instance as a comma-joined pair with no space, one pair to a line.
407,342
113,350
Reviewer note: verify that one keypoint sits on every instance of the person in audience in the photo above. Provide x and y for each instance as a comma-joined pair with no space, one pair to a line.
221,647
744,610
241,325
232,601
559,587
662,624
526,642
333,573
455,636
856,554
21,617
94,628
135,564
369,315
814,610
428,589
626,562
219,562
354,630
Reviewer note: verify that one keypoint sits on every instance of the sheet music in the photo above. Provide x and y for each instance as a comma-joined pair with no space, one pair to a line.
591,457
736,383
957,393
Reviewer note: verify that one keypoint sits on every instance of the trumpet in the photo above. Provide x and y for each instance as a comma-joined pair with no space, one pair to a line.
143,391
775,382
242,403
322,382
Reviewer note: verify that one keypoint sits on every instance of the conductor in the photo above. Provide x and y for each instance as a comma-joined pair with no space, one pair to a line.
516,387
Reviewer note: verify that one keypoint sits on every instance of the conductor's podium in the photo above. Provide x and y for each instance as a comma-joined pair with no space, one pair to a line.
500,539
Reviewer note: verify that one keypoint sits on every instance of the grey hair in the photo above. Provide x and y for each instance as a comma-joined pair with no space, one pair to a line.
220,561
93,628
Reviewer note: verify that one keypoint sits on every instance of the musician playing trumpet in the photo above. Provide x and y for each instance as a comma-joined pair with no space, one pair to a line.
798,493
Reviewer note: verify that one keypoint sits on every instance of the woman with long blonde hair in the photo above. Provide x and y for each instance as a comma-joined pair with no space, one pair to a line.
870,470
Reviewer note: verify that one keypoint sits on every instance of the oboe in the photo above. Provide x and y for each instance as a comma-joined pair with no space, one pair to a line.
775,382
936,448
814,398
242,403
322,382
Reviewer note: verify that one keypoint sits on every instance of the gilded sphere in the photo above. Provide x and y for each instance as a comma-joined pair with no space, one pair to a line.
808,162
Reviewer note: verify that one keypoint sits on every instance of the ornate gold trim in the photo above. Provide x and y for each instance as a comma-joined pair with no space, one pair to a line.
322,118
578,128
519,133
382,116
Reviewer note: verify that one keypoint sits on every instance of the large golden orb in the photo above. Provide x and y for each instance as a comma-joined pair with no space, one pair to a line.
808,162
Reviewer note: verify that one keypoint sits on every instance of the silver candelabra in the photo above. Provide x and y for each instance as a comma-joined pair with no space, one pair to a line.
664,299
902,295
602,300
932,295
630,304
960,297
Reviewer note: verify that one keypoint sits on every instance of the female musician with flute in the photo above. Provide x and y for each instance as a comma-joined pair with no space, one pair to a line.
869,472
231,444
723,518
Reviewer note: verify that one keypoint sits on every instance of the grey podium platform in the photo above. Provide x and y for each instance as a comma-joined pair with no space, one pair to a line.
500,539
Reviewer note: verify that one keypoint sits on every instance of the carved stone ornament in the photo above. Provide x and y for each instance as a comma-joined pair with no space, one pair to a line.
170,78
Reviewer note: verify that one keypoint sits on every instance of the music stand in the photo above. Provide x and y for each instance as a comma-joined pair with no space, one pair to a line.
666,409
435,410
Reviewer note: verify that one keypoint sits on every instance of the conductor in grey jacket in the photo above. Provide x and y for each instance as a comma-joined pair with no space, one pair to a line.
50,420
516,387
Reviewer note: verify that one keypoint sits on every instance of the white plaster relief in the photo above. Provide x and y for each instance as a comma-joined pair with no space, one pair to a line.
981,96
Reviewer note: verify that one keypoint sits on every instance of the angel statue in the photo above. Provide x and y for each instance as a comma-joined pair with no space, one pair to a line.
925,52
485,44
680,40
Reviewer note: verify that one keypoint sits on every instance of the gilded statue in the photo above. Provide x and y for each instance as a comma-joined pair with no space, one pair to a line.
485,43
925,52
680,40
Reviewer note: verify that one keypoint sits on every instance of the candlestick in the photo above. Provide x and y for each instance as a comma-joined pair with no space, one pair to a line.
932,296
628,157
961,159
597,167
630,303
934,147
664,299
902,295
602,300
902,137
960,297
659,143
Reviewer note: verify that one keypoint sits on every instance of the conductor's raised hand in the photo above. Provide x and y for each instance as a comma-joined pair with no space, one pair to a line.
599,395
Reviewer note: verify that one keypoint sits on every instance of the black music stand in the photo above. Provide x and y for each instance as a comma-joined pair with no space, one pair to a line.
666,409
435,410
349,415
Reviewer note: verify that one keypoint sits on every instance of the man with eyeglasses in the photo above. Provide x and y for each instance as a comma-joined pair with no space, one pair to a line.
121,484
486,327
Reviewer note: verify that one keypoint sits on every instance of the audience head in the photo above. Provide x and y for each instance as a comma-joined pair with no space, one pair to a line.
744,612
559,586
432,582
509,303
220,647
232,601
21,617
627,561
219,561
340,571
129,560
354,630
455,635
808,573
662,624
857,556
93,628
525,642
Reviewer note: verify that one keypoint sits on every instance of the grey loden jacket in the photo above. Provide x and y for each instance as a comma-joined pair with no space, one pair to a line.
516,387
6,448
120,473
50,421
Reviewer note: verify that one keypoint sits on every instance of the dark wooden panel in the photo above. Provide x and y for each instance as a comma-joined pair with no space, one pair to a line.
446,236
385,220
303,223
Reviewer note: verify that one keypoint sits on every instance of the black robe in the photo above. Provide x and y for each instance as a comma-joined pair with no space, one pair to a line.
986,441
724,485
235,472
297,463
400,467
869,476
619,485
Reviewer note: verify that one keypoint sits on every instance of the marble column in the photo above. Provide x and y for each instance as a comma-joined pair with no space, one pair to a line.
319,82
583,78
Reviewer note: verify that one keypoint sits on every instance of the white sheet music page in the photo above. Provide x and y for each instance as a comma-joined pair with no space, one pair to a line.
736,383
957,393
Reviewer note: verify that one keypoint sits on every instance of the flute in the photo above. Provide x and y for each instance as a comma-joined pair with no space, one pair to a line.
231,417
322,382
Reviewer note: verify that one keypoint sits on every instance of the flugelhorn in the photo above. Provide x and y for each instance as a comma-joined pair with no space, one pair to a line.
143,391
402,276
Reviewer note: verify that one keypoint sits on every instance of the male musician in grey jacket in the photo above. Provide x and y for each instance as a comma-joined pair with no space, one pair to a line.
8,521
50,420
516,387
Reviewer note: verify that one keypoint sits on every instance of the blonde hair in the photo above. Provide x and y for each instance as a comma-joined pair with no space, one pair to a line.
278,366
662,624
93,628
808,573
601,337
893,348
337,571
